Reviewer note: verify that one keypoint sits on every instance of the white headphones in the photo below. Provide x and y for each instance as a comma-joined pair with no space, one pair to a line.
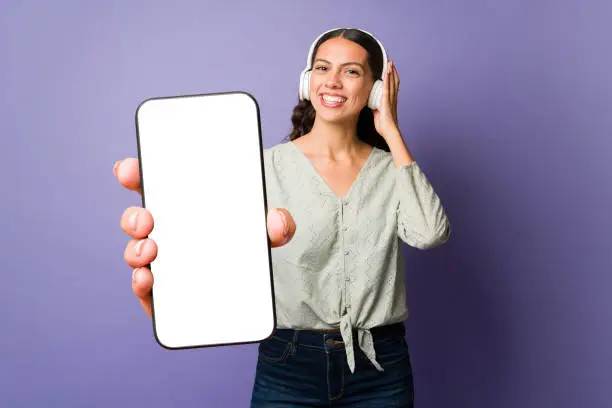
377,89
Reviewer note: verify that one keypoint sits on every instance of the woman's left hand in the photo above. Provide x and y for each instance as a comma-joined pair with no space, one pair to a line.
385,117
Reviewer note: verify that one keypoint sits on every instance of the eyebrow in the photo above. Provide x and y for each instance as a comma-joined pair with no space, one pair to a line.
345,64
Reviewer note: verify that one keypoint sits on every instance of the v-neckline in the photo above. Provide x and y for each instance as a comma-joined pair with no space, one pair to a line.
318,175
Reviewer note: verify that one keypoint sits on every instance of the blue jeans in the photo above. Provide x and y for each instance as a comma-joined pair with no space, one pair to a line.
301,368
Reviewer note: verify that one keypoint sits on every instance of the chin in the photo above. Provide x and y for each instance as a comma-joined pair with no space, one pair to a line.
334,115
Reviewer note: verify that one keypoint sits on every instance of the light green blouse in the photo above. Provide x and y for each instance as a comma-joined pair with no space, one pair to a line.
344,267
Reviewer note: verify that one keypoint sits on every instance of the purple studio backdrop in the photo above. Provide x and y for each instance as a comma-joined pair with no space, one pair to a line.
506,105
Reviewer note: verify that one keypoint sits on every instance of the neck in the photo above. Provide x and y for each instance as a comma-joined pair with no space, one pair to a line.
335,140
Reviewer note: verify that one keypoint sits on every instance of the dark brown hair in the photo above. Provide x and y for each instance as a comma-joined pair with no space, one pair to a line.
304,114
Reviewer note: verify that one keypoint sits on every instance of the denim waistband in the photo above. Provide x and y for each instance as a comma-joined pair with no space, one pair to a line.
321,339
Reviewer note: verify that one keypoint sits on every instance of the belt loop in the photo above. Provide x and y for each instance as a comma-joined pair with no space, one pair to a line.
294,343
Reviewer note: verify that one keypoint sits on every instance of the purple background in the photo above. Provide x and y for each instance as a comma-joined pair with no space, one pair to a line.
506,105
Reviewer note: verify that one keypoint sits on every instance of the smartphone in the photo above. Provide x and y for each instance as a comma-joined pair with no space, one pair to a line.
202,175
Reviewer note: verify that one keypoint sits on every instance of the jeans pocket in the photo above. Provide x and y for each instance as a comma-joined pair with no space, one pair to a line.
274,350
391,351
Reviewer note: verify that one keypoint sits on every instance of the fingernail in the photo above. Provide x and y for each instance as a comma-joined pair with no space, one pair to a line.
139,246
116,166
285,223
135,276
133,220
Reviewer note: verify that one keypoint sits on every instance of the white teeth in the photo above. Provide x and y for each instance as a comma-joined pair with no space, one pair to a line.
338,99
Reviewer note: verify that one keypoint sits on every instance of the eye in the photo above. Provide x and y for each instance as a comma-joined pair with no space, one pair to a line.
353,72
321,68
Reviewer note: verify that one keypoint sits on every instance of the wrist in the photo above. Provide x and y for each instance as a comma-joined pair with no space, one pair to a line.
392,135
399,151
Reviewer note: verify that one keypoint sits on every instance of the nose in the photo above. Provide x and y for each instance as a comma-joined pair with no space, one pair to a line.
332,80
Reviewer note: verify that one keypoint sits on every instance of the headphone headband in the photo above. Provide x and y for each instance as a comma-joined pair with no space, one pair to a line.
314,44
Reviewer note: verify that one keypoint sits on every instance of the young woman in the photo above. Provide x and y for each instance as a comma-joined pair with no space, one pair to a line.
348,182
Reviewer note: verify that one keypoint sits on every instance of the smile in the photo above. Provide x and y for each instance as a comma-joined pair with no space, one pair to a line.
332,101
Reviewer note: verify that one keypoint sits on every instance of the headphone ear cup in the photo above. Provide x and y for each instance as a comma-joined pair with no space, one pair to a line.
375,95
305,85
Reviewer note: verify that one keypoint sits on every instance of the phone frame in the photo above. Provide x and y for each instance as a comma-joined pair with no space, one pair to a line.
265,200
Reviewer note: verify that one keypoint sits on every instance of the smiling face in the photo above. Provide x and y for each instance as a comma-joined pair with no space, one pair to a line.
340,81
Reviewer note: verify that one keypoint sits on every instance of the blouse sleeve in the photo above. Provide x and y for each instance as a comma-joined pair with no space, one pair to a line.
421,220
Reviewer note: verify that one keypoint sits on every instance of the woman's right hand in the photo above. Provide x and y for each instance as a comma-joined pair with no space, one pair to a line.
137,222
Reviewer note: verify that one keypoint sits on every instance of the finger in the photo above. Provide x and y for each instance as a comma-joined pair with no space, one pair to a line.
137,222
397,78
140,252
128,173
395,87
394,84
281,227
397,82
390,85
142,283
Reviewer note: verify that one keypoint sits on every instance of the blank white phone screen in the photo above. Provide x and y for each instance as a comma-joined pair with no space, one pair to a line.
203,182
